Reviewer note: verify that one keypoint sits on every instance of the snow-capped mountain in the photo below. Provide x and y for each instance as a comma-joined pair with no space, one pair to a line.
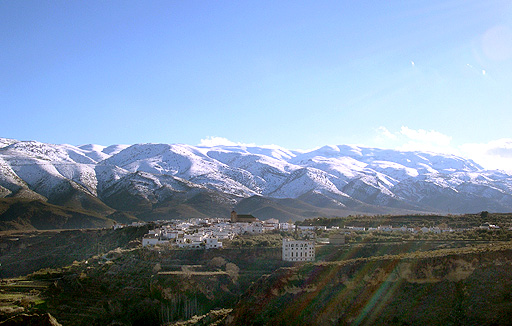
152,177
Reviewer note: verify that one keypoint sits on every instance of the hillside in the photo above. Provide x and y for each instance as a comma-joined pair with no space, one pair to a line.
19,213
445,287
252,286
23,252
106,277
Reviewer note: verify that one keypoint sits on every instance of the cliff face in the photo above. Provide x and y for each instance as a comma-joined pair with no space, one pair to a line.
456,287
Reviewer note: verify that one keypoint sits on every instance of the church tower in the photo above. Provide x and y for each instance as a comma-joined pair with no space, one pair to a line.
233,217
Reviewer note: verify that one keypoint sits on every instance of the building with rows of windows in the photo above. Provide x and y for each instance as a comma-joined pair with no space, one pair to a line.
298,250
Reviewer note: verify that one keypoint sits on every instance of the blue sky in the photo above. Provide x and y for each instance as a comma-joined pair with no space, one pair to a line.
300,74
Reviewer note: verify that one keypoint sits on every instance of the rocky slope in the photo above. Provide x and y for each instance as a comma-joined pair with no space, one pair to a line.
445,287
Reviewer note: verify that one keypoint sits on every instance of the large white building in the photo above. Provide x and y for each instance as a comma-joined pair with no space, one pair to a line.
298,250
213,243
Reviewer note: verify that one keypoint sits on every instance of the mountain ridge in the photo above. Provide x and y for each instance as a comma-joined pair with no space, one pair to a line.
335,180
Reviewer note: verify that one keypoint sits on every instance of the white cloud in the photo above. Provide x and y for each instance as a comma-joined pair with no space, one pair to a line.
496,154
407,139
425,140
220,141
216,141
424,136
383,132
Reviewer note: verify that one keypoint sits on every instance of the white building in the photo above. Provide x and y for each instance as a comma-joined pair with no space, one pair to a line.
255,228
213,243
153,240
286,227
149,241
195,237
272,221
385,228
306,227
298,250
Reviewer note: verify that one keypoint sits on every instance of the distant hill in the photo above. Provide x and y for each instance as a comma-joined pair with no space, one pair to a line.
16,213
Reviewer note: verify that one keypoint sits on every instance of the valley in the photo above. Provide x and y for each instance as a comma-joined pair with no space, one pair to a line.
107,277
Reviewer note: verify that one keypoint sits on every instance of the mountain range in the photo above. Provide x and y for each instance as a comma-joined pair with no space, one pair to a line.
160,181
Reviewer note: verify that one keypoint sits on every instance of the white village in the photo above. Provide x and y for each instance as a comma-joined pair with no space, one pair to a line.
209,233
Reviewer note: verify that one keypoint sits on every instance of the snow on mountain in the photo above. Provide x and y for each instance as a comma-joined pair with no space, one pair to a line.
9,179
186,162
263,174
146,186
153,173
45,167
6,142
272,151
305,180
99,153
